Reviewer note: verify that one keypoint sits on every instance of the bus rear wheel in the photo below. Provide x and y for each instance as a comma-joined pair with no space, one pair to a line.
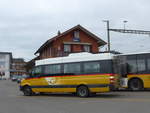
83,91
27,91
135,85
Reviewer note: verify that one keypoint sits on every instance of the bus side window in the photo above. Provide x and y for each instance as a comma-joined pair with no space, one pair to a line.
37,71
32,73
141,65
72,68
106,66
131,65
52,69
91,67
148,63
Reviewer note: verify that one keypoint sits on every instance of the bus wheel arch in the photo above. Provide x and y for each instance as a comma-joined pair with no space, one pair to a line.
135,84
82,90
27,91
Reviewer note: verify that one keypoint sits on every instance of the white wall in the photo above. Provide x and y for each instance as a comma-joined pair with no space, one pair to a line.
5,58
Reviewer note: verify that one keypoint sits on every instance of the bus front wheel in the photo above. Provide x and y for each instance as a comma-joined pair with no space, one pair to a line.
135,84
83,91
27,91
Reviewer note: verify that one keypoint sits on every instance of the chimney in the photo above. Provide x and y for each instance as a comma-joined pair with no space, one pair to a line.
59,32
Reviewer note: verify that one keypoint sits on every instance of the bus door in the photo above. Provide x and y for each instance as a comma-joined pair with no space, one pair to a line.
120,68
52,77
36,80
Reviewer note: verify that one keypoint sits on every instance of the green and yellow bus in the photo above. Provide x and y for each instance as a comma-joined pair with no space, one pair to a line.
80,73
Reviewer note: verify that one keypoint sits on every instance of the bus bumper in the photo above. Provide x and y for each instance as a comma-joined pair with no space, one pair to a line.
20,88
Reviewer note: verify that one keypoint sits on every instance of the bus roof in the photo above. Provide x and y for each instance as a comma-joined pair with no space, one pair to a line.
76,57
135,53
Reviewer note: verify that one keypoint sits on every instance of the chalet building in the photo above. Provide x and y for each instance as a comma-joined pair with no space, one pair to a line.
76,39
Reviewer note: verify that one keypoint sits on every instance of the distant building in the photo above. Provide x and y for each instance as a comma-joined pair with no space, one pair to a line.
74,40
18,66
5,64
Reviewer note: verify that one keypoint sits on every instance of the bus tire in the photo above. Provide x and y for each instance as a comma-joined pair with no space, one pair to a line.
135,84
83,91
27,91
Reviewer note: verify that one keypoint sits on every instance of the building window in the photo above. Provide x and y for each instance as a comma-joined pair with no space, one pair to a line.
86,48
2,65
2,57
76,34
76,37
46,52
67,48
49,51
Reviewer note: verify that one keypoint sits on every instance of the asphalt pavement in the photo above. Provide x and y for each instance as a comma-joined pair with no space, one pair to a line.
13,101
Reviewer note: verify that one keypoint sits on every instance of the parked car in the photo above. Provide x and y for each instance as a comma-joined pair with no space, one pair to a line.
14,78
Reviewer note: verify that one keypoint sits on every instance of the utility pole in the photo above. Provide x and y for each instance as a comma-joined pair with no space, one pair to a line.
124,30
108,34
125,24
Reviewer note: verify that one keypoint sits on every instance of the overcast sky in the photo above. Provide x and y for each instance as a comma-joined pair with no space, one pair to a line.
26,24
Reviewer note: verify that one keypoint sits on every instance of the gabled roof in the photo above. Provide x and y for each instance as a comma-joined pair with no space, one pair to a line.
100,41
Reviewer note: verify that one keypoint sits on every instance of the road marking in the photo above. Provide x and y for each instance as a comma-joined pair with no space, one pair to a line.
86,100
